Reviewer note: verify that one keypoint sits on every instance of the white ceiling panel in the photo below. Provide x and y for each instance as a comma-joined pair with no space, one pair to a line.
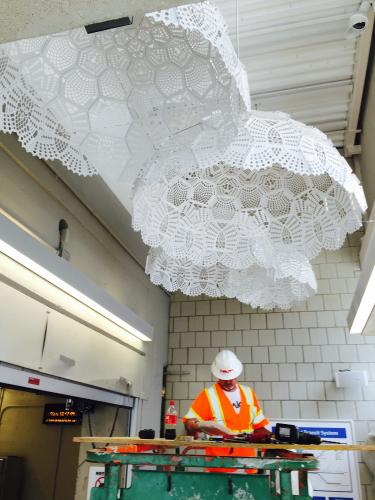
297,57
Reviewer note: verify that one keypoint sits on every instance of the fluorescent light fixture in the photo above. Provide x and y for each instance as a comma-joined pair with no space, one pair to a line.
365,307
25,250
362,308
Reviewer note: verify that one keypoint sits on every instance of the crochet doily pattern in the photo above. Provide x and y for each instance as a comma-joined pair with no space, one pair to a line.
239,217
254,285
99,101
231,201
279,195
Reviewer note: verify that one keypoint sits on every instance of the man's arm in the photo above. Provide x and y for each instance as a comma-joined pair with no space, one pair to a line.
194,426
199,418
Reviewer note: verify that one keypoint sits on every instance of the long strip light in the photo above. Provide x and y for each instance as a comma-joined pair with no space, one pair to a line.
363,305
22,248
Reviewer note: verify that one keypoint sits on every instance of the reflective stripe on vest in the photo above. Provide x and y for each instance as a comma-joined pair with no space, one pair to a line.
213,399
217,411
248,394
257,415
193,414
250,401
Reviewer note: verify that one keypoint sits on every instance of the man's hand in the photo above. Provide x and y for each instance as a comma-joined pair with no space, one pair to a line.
261,435
215,428
209,427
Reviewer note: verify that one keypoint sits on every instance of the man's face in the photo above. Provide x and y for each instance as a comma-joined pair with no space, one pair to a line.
228,385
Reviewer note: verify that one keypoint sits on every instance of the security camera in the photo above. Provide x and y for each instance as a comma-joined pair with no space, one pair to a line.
358,22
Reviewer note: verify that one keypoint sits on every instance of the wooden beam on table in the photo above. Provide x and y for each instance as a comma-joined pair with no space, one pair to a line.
123,441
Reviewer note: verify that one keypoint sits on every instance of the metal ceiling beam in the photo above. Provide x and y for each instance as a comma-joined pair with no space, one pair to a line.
303,88
20,19
363,50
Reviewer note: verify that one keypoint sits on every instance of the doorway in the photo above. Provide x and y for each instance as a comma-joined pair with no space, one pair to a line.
54,468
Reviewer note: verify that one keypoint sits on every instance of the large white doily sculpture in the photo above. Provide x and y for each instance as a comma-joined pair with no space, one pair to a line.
226,197
255,285
279,176
105,102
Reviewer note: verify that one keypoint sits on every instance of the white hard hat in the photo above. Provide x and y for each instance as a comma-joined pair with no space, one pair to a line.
226,366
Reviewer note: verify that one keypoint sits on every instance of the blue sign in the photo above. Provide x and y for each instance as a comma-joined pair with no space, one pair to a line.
319,498
326,432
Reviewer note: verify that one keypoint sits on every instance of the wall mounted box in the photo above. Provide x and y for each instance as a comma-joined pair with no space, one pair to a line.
351,378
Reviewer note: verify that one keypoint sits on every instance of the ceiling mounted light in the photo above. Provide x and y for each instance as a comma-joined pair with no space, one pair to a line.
109,25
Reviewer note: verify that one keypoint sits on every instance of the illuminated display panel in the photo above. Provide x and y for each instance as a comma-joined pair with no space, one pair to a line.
57,414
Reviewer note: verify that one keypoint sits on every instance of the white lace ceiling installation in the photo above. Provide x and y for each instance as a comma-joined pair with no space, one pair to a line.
269,139
107,101
280,194
233,202
255,285
273,192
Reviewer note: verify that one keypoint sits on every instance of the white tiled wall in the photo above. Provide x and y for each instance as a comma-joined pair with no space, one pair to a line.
289,356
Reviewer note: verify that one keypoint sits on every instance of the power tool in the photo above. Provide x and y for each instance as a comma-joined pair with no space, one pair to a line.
284,434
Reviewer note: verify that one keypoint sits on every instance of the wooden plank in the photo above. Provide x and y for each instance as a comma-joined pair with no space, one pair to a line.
166,443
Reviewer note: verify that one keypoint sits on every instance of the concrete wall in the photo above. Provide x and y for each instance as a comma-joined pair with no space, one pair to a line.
49,453
34,196
289,357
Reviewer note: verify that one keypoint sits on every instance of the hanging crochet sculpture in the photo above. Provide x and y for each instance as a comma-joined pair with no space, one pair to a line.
280,194
233,202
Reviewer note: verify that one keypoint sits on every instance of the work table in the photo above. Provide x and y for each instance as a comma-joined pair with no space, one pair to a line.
177,443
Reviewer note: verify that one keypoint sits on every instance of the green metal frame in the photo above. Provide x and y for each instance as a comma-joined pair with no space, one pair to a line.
171,481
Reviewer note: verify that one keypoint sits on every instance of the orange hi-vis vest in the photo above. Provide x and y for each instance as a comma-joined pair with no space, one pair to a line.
213,404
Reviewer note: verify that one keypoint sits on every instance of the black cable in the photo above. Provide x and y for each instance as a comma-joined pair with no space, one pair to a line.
112,429
57,462
90,428
80,464
114,424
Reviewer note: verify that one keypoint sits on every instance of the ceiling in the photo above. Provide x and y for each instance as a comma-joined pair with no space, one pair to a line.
43,17
298,61
297,57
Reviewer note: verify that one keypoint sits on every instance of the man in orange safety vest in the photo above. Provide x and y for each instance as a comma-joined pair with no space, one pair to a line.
227,408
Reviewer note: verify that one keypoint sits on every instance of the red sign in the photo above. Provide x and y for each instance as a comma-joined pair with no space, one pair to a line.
33,381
